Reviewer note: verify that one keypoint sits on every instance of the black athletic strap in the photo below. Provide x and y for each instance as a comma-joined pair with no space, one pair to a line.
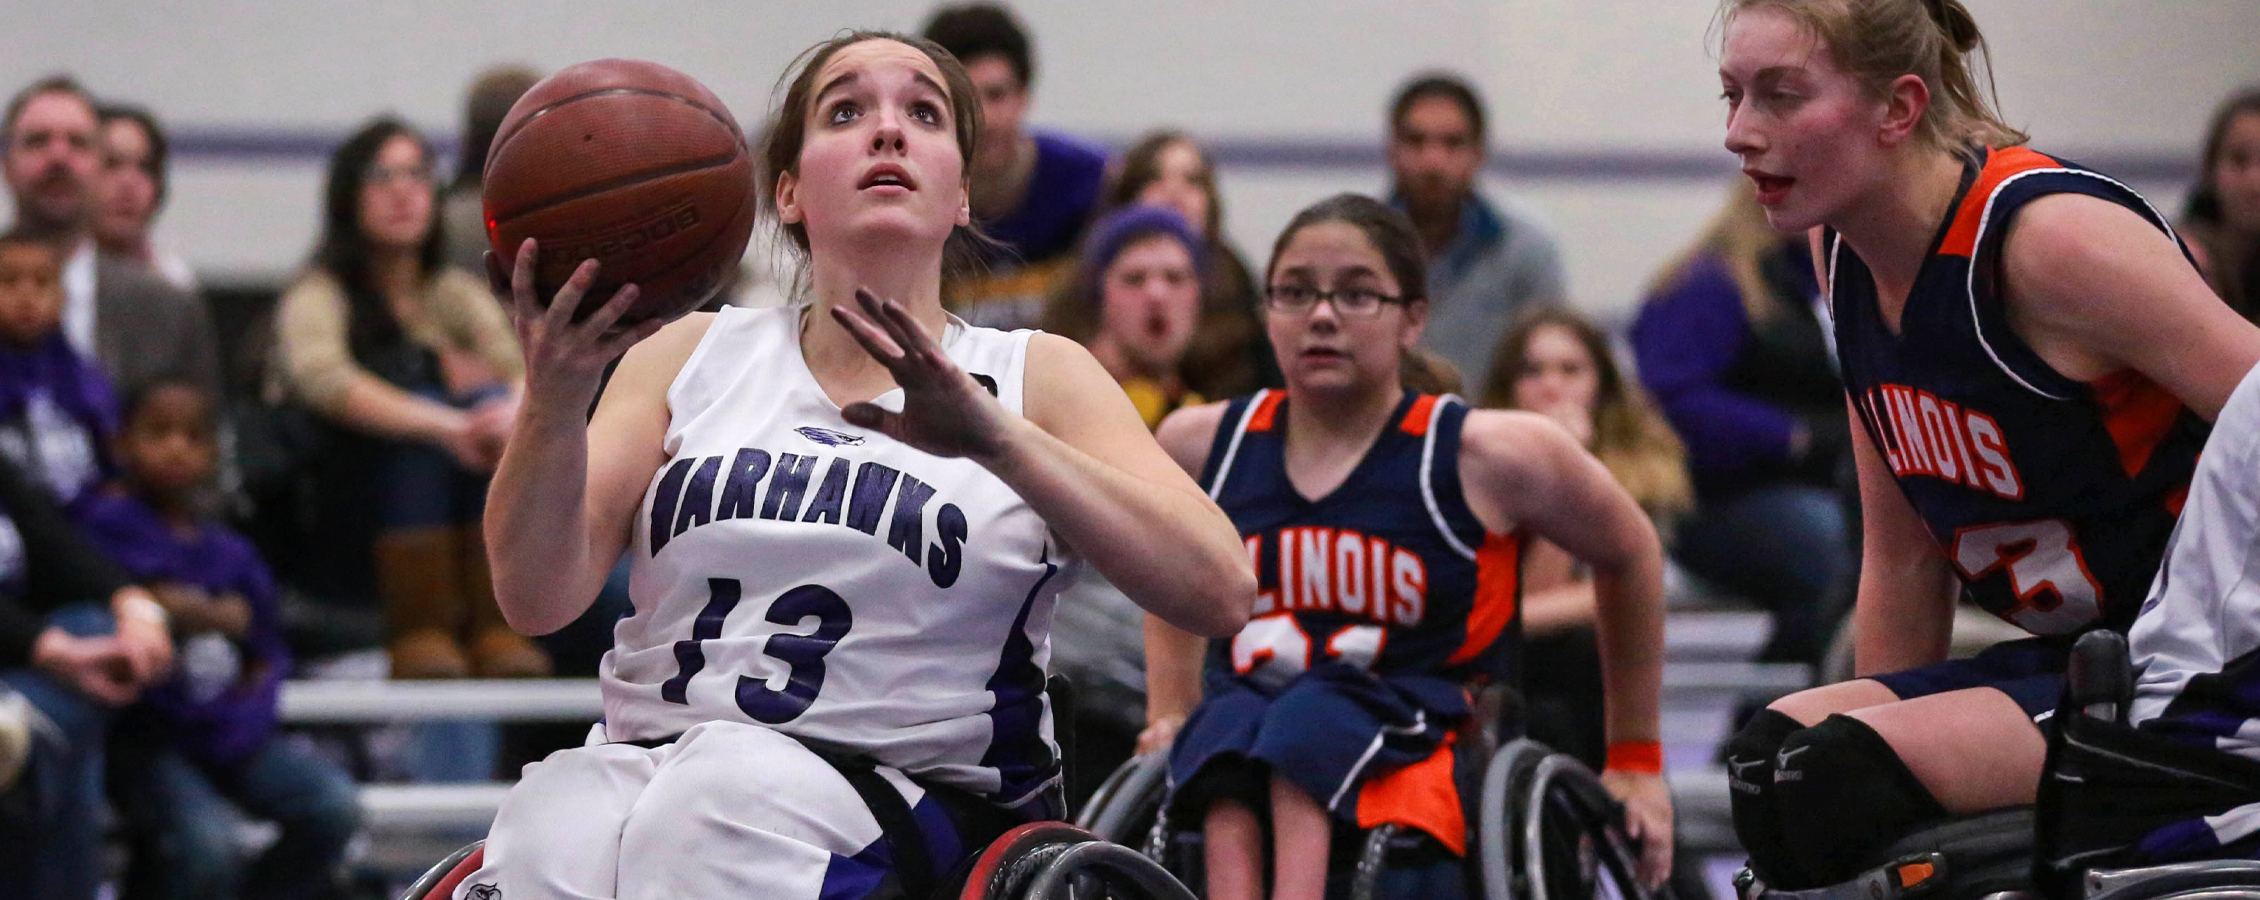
914,866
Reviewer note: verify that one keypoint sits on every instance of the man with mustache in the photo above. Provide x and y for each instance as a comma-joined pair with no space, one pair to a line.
1486,261
116,311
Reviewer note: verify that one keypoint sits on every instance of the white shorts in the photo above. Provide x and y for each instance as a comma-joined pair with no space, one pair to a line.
727,810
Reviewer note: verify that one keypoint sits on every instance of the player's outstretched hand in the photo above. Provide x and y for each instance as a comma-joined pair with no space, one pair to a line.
944,411
565,359
1647,818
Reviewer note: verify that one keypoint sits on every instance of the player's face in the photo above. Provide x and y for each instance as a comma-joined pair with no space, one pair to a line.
1434,153
169,444
31,292
1004,102
126,194
1180,183
1808,134
880,162
1150,302
1320,348
396,195
1557,374
52,158
2236,174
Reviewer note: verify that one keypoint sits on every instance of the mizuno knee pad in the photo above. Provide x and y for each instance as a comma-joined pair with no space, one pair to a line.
1749,778
1843,796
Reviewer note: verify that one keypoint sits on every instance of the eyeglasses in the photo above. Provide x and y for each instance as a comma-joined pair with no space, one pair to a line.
1353,303
390,174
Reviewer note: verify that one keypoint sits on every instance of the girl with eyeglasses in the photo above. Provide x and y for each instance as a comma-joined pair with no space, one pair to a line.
1386,526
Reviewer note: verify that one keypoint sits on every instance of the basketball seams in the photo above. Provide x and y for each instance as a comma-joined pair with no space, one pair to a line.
503,139
634,178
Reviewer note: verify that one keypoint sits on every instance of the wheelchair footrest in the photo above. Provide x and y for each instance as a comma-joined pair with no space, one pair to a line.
1906,878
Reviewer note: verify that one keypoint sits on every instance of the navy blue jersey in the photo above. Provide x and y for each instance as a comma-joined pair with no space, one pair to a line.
2053,498
1390,572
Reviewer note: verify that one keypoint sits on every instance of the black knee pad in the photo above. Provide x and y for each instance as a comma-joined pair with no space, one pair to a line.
1844,796
1749,778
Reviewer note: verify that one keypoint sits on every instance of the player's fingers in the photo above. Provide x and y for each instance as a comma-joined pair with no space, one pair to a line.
898,324
522,277
622,300
568,299
872,416
616,344
874,340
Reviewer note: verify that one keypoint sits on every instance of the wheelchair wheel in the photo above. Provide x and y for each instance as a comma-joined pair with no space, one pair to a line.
1552,832
1122,810
1058,861
2227,879
440,880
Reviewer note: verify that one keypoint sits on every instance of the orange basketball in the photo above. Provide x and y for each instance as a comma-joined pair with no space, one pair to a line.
629,163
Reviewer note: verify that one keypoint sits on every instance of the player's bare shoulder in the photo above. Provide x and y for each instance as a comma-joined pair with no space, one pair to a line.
1187,433
1506,447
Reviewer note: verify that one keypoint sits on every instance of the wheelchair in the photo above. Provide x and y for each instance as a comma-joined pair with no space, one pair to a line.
2028,853
1034,861
1545,829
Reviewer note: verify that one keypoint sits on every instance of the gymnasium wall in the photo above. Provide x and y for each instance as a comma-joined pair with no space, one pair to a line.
1604,111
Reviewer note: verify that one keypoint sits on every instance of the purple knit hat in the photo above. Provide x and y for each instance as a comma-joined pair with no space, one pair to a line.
1117,230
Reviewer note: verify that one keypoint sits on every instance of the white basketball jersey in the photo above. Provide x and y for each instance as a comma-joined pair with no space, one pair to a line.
798,572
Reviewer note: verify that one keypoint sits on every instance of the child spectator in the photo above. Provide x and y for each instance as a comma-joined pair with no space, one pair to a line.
56,410
205,738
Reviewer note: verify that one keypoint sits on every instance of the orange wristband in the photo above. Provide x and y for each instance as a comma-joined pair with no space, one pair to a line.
1644,757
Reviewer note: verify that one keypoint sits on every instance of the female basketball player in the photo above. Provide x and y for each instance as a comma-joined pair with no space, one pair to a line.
847,519
1387,526
2032,360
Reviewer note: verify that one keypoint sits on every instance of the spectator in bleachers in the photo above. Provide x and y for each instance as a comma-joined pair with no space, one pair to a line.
414,367
56,411
1228,356
2222,219
130,321
130,190
74,664
1552,361
1735,346
1135,302
204,740
491,97
1032,191
1486,260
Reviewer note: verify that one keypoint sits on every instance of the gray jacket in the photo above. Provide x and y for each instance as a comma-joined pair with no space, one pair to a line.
1499,263
144,328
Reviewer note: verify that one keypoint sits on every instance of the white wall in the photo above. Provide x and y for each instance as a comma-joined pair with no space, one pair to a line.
2127,80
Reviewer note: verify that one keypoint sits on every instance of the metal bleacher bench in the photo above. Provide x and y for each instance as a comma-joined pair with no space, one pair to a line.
409,808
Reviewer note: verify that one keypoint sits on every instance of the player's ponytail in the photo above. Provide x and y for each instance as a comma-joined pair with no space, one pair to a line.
1936,40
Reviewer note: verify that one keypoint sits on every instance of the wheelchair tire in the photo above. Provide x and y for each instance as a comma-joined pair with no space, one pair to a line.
1121,873
1495,831
1122,810
440,880
1557,865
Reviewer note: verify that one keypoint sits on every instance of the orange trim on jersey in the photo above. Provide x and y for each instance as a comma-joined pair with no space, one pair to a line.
1266,410
1422,795
1497,584
1416,418
2138,414
1962,235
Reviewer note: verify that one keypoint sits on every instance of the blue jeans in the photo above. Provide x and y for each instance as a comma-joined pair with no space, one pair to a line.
1786,546
51,826
188,815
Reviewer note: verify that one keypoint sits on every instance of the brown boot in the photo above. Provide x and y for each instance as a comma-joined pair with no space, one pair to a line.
496,651
417,573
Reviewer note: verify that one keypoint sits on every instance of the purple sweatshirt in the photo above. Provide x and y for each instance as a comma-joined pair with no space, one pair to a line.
220,706
57,413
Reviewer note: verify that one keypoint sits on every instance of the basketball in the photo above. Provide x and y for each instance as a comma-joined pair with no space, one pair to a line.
629,163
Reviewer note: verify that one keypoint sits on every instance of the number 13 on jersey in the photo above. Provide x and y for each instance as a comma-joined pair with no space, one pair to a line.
802,654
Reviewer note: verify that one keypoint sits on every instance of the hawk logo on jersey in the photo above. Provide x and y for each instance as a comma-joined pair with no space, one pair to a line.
828,437
1924,435
483,892
697,491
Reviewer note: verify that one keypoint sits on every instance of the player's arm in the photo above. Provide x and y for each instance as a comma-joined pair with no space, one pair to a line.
559,508
1904,614
1089,466
1173,655
2095,289
1522,469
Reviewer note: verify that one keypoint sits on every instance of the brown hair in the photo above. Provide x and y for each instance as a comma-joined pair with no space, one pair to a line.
58,83
1739,235
1141,166
1399,244
2231,260
788,130
1936,40
1629,436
